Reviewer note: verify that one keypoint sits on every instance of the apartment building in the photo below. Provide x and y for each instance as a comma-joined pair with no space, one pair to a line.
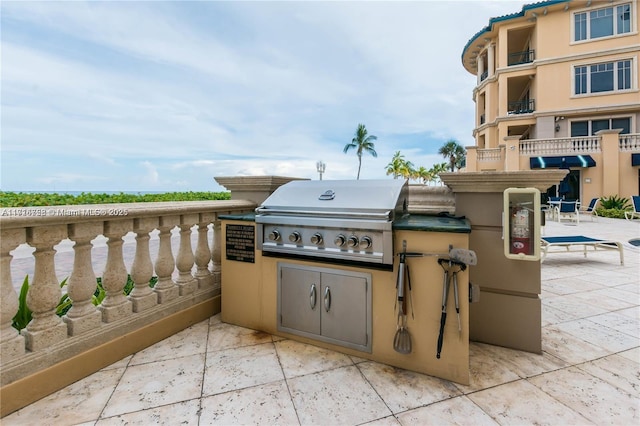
558,85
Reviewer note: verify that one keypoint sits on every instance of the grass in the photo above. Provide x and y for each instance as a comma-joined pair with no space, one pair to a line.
23,199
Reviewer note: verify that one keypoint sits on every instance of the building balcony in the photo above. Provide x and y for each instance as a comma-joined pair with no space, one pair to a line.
162,355
521,107
519,58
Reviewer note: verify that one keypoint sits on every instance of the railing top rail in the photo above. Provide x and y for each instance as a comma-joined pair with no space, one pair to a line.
21,217
576,138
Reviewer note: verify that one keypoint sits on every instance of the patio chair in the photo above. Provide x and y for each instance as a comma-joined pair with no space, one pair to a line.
591,208
553,204
568,210
629,215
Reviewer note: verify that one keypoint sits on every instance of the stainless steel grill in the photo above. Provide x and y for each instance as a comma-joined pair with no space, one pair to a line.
345,220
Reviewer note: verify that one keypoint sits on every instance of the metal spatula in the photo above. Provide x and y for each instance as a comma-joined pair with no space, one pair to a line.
402,339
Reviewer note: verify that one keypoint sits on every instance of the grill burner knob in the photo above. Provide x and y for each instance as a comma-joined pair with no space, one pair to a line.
353,241
294,237
340,240
274,235
365,242
316,238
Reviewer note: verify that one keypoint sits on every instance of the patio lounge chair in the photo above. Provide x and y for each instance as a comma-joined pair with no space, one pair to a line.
568,242
568,209
636,209
591,208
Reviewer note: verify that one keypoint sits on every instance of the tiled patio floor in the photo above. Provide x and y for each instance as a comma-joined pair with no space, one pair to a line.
216,373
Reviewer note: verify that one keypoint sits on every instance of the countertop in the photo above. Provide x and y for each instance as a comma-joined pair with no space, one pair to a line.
414,222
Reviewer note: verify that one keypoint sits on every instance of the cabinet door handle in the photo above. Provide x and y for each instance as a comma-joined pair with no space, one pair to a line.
327,299
312,296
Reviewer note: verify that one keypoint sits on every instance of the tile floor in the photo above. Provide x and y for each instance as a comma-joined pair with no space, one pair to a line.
216,373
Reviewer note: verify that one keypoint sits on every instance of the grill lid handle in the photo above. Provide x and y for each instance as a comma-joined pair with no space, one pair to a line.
329,194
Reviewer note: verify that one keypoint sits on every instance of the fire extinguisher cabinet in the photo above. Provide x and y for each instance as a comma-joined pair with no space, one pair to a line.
521,224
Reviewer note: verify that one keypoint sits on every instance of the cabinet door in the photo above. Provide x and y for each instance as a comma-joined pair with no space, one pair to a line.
344,308
300,300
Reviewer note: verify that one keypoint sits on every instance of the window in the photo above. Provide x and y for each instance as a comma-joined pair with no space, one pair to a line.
605,77
605,22
590,127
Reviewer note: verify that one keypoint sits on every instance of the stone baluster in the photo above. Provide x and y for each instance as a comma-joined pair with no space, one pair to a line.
142,296
83,315
203,252
115,305
185,259
45,328
165,264
12,343
216,252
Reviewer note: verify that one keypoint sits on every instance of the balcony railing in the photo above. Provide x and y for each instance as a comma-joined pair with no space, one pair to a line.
484,75
184,281
482,119
522,107
559,146
629,142
524,57
490,155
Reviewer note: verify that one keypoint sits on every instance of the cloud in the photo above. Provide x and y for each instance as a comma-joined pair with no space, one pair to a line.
184,91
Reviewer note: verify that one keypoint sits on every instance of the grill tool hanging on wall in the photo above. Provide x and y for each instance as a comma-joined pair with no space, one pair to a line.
451,269
402,339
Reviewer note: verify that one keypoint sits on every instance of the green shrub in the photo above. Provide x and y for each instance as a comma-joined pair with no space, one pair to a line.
23,316
614,202
23,199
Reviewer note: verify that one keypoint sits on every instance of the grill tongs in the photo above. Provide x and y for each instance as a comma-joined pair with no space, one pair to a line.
402,338
451,269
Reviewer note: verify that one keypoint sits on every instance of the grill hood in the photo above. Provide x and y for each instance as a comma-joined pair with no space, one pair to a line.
365,199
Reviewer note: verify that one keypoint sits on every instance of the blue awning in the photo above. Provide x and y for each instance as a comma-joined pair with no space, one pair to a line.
635,159
564,161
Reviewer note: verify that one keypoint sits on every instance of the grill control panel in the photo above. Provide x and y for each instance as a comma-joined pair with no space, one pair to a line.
363,245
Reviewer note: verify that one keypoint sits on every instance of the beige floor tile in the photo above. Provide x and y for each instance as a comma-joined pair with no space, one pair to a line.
601,299
79,402
552,316
242,367
576,308
185,413
455,411
157,383
521,403
227,336
631,312
618,371
190,341
298,359
403,390
524,364
563,286
486,370
631,354
569,348
268,404
619,322
386,421
595,399
600,335
336,397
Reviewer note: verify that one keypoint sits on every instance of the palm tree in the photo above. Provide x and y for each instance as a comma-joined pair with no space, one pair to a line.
436,170
362,142
454,152
398,166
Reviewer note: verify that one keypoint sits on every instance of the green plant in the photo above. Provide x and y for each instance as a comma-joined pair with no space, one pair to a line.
23,316
613,207
614,202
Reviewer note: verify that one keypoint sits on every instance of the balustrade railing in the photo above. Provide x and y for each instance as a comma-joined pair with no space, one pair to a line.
560,146
197,277
629,142
490,154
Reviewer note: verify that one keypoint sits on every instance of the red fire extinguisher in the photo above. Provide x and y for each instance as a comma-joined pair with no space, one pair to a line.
520,231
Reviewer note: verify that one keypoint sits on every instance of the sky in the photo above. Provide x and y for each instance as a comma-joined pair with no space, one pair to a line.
164,96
